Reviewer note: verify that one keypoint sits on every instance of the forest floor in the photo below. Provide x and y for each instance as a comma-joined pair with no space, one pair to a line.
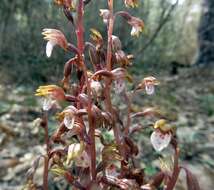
187,99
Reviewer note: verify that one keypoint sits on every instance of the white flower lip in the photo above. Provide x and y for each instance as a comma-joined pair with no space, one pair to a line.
134,31
150,89
69,121
48,103
49,48
160,140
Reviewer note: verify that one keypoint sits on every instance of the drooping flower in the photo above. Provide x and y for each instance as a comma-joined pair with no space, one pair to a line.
105,14
52,94
162,135
69,120
54,37
137,26
68,116
148,84
131,3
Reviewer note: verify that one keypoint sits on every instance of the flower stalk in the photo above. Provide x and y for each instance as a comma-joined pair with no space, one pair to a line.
176,170
108,103
110,32
48,148
80,45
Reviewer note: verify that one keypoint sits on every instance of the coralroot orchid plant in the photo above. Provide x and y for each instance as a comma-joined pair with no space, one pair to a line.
72,151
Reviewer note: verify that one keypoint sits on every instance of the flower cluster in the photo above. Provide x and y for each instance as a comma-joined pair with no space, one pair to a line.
78,149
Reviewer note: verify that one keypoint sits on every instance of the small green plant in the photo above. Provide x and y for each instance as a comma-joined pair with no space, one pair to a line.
72,149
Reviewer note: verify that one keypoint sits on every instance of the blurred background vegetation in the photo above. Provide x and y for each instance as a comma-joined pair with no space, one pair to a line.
170,35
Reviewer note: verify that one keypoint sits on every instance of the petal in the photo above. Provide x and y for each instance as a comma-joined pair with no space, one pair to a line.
134,31
48,103
160,140
150,89
69,121
49,48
